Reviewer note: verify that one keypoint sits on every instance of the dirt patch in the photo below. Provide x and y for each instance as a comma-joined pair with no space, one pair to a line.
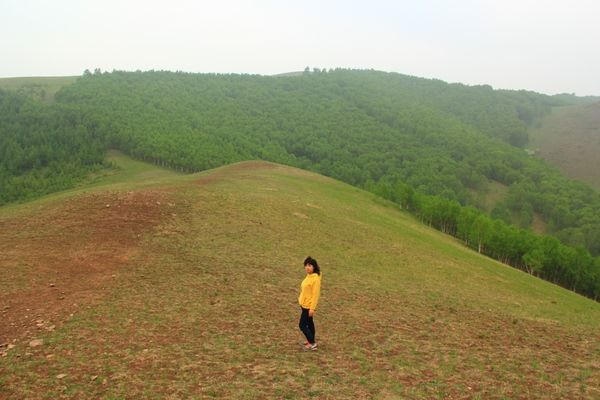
59,259
538,224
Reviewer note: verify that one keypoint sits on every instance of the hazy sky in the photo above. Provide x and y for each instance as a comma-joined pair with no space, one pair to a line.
546,46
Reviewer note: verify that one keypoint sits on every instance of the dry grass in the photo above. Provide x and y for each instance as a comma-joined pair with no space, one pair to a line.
569,138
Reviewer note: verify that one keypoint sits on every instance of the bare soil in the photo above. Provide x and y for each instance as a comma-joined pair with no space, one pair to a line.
57,260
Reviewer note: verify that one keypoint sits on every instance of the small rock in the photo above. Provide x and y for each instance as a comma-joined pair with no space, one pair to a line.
36,343
104,381
51,328
93,378
52,285
60,376
49,356
108,206
11,346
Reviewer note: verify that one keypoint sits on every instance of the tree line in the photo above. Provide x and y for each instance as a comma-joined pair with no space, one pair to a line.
543,256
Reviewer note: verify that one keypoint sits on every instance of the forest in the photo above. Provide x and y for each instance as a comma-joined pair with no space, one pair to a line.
43,149
430,147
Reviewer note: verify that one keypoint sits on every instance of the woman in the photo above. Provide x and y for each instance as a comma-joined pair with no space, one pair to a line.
310,289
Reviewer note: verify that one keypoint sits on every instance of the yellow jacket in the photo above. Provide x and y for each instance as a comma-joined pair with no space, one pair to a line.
310,289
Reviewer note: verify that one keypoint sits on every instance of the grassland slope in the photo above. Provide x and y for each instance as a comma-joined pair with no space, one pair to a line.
569,138
186,287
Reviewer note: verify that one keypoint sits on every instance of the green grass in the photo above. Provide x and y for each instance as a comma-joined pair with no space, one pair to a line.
208,307
132,172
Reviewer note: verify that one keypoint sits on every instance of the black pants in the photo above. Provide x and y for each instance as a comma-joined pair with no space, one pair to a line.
307,326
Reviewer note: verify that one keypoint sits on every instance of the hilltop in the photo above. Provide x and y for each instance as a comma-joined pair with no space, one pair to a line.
155,284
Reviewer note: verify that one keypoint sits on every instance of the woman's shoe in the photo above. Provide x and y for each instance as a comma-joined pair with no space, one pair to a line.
311,347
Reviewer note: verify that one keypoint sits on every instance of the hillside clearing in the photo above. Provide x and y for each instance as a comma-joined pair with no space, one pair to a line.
569,138
43,87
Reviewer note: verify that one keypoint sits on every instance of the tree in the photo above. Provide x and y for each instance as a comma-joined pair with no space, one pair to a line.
534,260
480,231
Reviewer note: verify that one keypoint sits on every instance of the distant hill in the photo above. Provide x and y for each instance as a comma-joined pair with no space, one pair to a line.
292,73
392,134
39,87
569,138
156,284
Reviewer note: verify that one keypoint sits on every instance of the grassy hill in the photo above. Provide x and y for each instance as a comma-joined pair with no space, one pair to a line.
151,284
569,138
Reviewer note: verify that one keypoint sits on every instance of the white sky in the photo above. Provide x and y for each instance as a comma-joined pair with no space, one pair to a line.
546,46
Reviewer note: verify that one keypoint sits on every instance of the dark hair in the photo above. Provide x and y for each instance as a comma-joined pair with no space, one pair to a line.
313,262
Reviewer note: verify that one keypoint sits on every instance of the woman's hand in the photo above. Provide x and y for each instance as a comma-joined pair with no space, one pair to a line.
311,313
